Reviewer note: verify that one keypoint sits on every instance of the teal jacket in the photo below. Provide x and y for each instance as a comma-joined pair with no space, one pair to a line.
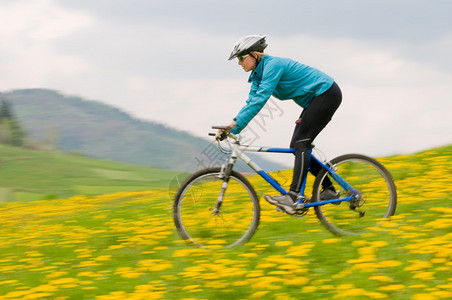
285,79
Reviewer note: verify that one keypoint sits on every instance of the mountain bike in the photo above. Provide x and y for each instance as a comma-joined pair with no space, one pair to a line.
218,207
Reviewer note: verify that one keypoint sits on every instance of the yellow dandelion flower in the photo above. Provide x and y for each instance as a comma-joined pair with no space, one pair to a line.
144,287
389,224
297,281
379,244
443,294
255,273
353,292
17,294
239,283
418,265
389,263
56,274
440,224
259,294
300,251
327,287
249,255
359,243
35,296
345,286
365,267
265,265
103,258
266,282
381,278
438,260
392,287
424,275
308,289
445,286
376,295
283,243
34,253
45,288
114,247
446,210
330,241
161,248
11,281
88,263
87,274
160,267
366,250
182,252
424,297
284,297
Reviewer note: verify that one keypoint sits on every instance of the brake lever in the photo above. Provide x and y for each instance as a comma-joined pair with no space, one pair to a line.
221,127
222,136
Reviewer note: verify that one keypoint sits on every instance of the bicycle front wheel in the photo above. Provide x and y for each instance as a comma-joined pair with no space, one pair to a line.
376,199
197,220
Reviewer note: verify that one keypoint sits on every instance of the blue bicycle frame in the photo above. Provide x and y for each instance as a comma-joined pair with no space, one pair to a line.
238,152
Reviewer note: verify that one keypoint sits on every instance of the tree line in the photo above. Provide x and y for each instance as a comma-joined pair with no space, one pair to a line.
11,132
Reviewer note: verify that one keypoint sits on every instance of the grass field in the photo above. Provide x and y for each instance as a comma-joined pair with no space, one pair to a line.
28,175
124,246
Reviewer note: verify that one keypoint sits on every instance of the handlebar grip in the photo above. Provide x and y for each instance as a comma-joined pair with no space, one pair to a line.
212,134
220,127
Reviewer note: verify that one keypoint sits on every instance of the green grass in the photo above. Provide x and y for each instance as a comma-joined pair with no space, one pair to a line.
28,175
124,246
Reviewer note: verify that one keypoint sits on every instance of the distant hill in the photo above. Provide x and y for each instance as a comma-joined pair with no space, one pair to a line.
101,131
28,175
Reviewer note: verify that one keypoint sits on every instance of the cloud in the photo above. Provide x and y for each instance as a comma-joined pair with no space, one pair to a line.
40,20
27,31
166,61
381,19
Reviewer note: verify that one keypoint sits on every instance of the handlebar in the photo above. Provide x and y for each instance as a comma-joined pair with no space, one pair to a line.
221,127
224,133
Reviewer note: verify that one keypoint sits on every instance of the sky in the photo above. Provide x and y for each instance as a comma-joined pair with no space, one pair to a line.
167,61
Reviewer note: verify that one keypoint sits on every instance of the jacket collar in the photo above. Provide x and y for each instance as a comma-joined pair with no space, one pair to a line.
256,75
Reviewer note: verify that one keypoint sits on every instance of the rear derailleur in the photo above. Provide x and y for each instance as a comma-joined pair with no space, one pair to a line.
358,201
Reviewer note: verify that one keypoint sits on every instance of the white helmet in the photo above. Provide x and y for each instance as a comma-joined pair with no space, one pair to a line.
247,44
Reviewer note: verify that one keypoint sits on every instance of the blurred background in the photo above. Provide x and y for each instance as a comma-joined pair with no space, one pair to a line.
166,62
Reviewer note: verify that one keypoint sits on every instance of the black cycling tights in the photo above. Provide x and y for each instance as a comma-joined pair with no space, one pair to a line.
312,120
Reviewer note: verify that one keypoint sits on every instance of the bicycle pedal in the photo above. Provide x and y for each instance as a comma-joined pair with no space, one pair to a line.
299,206
280,209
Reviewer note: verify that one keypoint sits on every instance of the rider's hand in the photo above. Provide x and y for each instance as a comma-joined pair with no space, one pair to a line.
220,131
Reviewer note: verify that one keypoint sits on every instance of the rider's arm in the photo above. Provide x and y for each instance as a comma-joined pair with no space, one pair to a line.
259,94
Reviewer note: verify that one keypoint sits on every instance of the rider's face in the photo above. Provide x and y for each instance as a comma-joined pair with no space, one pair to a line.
247,62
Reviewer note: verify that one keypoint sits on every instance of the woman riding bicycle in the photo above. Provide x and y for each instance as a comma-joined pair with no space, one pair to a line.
285,79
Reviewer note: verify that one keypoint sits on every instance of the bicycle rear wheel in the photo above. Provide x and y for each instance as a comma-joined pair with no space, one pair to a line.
376,199
194,210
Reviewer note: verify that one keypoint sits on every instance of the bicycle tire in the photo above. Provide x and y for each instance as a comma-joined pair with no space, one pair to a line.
374,183
193,210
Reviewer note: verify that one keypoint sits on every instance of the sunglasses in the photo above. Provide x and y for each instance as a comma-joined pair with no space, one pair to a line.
242,57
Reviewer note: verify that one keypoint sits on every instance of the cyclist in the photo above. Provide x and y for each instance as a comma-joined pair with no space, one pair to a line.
285,79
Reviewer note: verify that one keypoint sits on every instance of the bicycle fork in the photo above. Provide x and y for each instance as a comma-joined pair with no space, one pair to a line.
225,174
